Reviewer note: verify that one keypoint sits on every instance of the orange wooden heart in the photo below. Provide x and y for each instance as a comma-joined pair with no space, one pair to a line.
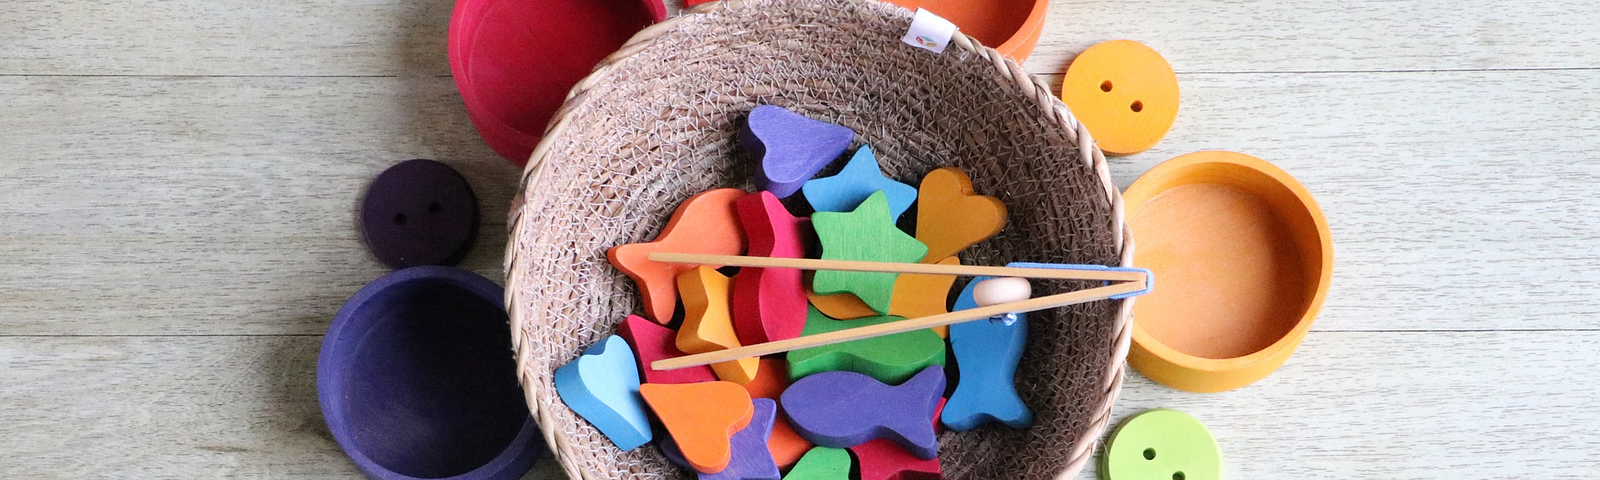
950,217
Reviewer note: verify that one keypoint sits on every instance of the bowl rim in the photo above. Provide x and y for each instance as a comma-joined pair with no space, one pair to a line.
465,18
1144,188
518,456
1006,69
1019,44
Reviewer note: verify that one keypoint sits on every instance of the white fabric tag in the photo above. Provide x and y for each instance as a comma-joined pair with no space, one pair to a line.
929,32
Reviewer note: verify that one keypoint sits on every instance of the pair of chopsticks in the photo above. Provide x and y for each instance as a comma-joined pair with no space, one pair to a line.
1132,282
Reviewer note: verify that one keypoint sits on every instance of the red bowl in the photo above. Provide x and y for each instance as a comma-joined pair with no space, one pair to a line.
515,60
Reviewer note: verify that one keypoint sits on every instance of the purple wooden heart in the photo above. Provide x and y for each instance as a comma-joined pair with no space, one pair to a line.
842,409
789,148
415,380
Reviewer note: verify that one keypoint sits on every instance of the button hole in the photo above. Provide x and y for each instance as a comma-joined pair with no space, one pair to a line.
1105,86
434,207
1137,106
399,219
1177,475
1149,454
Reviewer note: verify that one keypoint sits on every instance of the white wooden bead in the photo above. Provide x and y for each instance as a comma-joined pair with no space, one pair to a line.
995,291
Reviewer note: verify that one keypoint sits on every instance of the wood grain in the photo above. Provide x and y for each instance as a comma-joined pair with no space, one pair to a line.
166,407
1313,36
407,37
179,181
280,165
1348,405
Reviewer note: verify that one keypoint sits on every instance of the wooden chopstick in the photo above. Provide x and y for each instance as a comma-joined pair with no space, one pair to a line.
893,267
829,338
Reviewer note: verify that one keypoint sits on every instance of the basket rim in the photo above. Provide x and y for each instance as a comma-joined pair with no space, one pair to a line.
1028,84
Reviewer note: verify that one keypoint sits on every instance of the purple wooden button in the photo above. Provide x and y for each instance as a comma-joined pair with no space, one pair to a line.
419,212
416,380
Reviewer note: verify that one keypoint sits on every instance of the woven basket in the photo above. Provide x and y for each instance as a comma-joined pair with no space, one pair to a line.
656,123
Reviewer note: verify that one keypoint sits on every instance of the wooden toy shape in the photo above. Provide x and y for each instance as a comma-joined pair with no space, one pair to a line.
1219,211
653,342
860,177
919,295
789,148
843,306
707,326
786,444
602,386
705,223
822,463
751,459
881,459
748,461
987,353
915,295
950,217
1124,93
867,233
889,358
702,418
769,303
1161,443
845,409
771,378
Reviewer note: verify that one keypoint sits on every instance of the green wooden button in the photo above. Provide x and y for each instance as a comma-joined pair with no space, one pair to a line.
1161,444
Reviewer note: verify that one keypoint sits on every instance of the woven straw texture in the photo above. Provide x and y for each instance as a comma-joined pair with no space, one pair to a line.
657,121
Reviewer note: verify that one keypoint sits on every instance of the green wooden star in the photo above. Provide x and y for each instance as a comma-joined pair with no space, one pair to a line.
865,234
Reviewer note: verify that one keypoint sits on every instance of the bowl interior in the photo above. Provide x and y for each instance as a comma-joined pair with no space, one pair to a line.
422,382
1237,256
993,22
516,59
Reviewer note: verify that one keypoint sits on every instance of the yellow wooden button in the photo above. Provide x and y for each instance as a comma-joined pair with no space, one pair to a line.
1124,93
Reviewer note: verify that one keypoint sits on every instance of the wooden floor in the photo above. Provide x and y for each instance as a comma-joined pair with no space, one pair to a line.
179,180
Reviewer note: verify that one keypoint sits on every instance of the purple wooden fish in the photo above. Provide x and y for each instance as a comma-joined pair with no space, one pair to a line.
789,148
751,458
842,409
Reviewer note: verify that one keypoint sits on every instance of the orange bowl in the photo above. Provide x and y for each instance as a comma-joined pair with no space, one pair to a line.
1243,260
1012,27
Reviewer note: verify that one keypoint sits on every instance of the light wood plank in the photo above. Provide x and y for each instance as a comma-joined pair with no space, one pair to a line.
1439,188
163,407
249,156
407,37
192,284
1422,405
212,205
224,37
1459,180
1318,36
1347,405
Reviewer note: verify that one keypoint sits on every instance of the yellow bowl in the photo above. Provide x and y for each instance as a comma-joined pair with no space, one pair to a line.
1242,258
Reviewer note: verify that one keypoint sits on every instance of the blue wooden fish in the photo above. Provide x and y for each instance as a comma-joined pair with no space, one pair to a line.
987,353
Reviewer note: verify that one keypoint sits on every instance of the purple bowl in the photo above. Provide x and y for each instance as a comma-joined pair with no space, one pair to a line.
416,380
